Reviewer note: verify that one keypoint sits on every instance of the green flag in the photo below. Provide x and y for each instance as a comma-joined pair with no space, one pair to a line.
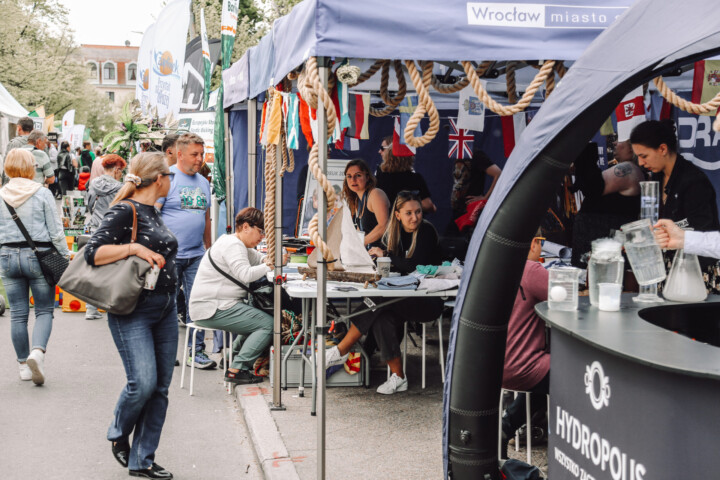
227,40
206,59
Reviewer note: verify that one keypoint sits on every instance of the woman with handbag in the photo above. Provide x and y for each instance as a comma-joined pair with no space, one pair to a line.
217,301
147,337
66,169
19,265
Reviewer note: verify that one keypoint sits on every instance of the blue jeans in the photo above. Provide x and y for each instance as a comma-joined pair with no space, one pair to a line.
147,342
187,269
20,271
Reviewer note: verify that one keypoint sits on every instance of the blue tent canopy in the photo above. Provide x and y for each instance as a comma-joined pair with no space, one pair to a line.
428,30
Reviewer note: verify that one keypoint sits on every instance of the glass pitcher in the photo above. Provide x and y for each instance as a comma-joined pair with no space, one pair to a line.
563,288
643,252
685,282
606,265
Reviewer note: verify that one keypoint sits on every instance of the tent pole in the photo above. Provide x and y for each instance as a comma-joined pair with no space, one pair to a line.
277,290
321,277
229,203
252,150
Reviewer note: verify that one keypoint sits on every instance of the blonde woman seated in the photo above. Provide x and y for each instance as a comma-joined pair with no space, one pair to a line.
409,241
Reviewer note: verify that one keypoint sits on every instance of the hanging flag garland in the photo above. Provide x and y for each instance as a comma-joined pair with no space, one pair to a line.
460,142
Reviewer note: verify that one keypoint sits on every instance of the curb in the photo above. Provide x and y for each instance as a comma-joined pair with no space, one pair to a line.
269,446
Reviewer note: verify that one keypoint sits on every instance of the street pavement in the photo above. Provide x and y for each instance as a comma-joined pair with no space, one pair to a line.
58,431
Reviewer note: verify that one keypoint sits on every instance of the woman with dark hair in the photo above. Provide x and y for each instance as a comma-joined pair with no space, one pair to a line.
396,174
147,337
368,205
409,241
67,165
687,196
218,302
469,181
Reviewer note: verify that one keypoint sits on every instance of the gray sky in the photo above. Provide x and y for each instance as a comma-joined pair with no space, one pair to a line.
108,22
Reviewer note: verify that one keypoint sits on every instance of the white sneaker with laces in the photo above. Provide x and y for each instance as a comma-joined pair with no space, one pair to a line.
394,384
333,357
25,372
36,361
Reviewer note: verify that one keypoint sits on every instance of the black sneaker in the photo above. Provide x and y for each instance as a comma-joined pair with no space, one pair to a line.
243,377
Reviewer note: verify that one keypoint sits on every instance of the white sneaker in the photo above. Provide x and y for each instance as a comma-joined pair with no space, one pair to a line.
25,372
394,384
333,357
35,361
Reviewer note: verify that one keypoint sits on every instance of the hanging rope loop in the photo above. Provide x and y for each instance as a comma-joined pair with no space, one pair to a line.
681,103
425,105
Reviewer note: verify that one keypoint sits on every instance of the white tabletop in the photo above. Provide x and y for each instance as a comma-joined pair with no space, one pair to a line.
308,289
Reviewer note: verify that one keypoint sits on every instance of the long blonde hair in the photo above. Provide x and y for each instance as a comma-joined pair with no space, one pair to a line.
391,237
147,166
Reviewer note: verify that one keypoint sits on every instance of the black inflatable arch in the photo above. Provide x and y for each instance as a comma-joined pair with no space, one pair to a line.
652,38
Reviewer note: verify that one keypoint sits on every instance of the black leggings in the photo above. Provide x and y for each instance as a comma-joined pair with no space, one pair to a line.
514,417
386,322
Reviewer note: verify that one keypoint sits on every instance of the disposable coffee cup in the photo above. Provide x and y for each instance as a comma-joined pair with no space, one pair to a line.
151,278
383,266
609,296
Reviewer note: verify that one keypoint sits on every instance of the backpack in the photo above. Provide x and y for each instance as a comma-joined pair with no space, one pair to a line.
86,159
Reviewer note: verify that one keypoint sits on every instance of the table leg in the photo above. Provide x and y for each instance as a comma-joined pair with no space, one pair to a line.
313,322
303,359
287,356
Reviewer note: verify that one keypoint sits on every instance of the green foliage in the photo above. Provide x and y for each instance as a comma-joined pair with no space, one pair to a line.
135,127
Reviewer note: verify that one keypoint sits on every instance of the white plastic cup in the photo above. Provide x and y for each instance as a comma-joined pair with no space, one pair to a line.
609,296
151,278
383,266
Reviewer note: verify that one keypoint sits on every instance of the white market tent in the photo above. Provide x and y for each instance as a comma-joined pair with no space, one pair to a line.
10,112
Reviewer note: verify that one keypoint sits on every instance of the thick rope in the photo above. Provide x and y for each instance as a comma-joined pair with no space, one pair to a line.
367,74
425,105
695,108
502,110
460,84
270,203
391,102
314,88
510,82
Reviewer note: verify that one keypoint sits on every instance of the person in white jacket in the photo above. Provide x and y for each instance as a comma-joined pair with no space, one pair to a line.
670,236
217,302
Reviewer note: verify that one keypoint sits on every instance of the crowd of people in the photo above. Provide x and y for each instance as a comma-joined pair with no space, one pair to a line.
171,199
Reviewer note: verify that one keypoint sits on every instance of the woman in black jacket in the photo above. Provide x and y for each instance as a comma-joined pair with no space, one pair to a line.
66,169
409,241
687,196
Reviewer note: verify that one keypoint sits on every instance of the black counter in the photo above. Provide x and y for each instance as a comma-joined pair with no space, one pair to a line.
635,394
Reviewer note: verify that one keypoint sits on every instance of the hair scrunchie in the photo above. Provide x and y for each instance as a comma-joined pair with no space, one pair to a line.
134,179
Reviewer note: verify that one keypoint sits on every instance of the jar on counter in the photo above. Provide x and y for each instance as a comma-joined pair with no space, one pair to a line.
606,265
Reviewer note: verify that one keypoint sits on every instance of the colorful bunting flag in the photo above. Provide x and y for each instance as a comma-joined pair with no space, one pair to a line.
706,82
512,127
629,113
343,100
263,131
400,149
460,142
358,111
292,119
304,109
471,111
274,118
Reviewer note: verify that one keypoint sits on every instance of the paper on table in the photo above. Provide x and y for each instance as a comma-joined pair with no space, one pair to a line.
556,250
352,249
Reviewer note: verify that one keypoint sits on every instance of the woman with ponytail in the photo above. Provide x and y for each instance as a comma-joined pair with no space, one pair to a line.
146,338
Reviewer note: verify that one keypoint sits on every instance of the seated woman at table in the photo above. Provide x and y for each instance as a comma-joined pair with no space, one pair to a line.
217,302
368,205
409,241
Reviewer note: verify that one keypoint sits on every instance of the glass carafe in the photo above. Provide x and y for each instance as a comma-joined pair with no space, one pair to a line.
685,282
563,288
606,265
643,252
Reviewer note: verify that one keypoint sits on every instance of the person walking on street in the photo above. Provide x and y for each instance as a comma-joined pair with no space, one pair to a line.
66,169
147,337
19,266
186,212
87,156
101,192
52,155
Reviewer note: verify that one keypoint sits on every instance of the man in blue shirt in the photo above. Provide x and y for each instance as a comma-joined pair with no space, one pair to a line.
186,212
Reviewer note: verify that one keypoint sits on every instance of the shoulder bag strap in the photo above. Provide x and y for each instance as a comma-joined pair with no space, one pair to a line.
224,274
134,228
21,226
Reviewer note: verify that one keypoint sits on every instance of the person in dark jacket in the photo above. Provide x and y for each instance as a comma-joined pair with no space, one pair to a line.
103,189
687,196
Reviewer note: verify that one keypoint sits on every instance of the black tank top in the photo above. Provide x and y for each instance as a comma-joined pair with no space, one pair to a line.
364,219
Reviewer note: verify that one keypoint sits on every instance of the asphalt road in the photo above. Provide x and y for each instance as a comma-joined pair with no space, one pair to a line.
58,431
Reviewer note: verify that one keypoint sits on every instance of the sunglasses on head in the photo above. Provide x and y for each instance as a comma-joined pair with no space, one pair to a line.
542,240
409,194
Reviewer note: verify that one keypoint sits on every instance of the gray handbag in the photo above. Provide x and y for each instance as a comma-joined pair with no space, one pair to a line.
114,287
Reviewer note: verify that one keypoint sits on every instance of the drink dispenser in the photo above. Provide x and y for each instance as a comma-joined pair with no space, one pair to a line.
606,265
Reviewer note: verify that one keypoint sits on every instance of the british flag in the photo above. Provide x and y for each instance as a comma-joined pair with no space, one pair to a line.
460,141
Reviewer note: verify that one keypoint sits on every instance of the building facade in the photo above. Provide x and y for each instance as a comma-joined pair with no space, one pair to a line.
112,70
